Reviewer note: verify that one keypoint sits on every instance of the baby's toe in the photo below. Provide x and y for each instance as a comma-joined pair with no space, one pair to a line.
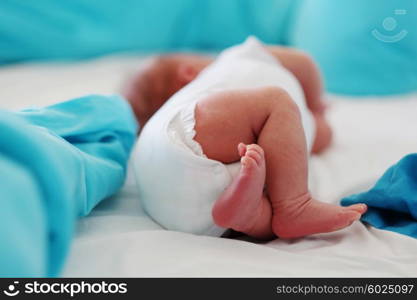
346,218
349,216
254,155
360,208
241,148
257,148
248,163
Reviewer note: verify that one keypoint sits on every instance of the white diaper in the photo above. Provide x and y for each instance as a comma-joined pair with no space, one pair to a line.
177,183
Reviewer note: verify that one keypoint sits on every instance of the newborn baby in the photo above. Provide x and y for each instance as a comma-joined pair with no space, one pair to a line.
257,105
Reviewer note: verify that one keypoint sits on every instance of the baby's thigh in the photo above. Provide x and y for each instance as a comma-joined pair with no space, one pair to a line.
225,119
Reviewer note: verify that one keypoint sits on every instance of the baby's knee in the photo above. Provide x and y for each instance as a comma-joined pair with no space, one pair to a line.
279,100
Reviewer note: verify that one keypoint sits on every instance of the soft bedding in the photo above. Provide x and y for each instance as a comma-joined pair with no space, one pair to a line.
118,239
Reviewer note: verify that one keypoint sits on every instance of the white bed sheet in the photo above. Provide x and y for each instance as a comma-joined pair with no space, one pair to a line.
118,239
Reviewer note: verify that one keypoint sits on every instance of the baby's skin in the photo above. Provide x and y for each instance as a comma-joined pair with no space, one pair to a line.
270,196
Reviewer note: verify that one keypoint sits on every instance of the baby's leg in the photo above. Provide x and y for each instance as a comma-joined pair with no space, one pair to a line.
303,67
224,127
308,75
323,137
269,117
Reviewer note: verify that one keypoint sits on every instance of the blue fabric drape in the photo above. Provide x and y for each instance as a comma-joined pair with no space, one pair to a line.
56,164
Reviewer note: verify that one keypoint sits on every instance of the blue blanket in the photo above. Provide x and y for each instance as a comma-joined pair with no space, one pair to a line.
393,200
56,164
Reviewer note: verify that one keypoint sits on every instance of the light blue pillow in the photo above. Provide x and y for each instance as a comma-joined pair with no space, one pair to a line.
50,29
363,47
226,23
67,29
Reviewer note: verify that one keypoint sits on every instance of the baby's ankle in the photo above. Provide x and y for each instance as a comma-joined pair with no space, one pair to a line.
292,203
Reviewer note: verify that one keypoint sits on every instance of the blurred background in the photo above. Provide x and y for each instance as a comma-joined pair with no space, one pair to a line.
363,47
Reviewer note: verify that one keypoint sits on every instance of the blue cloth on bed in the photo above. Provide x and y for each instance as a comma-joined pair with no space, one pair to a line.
57,163
393,200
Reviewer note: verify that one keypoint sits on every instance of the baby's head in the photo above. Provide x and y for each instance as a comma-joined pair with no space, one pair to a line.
162,77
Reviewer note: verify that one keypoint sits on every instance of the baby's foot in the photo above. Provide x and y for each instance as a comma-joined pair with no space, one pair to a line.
304,216
241,203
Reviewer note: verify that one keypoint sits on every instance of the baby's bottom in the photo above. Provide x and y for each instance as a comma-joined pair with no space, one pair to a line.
270,195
